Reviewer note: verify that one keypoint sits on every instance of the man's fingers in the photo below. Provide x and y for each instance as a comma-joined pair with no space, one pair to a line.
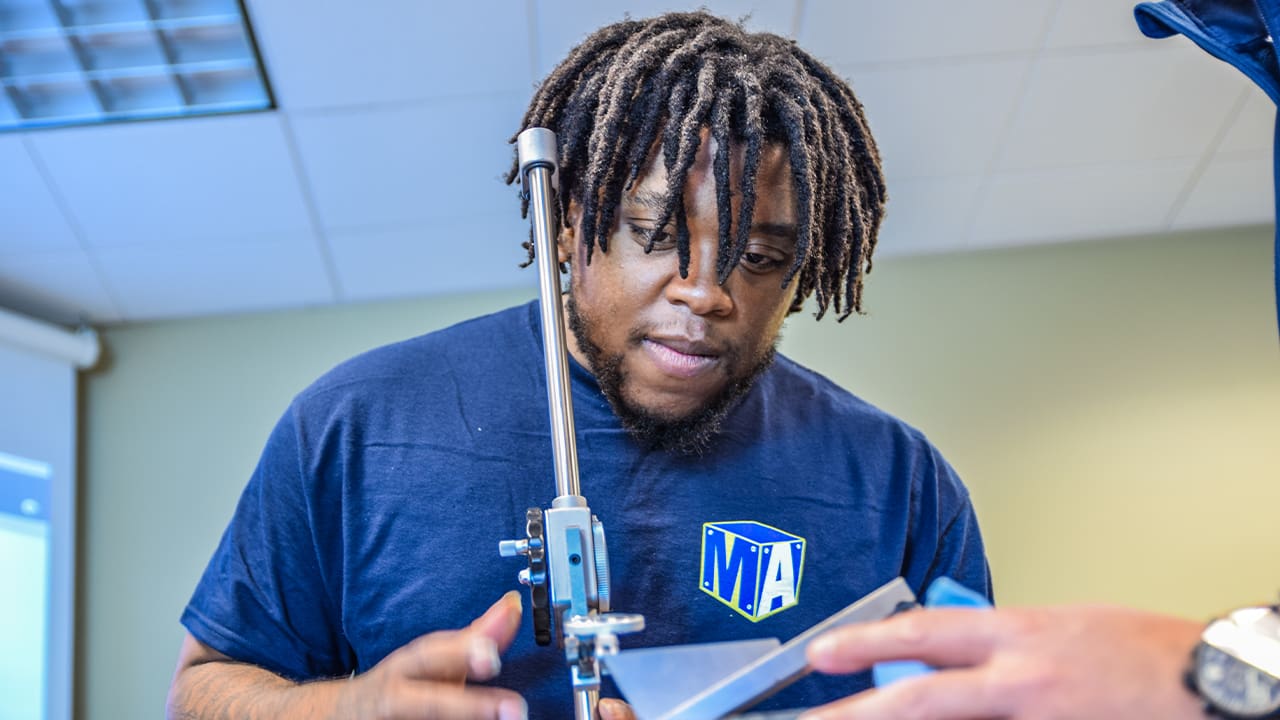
501,621
458,655
450,656
431,701
943,638
965,694
611,709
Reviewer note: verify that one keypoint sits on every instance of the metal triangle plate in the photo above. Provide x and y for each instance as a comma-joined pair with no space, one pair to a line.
656,680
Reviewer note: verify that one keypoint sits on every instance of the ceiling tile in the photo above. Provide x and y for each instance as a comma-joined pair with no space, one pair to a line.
401,166
928,215
943,119
442,257
1130,105
59,286
875,31
29,216
1086,23
1098,201
1232,190
562,24
1254,127
176,182
212,278
329,53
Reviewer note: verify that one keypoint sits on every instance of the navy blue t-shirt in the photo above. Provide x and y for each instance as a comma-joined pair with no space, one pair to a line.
375,512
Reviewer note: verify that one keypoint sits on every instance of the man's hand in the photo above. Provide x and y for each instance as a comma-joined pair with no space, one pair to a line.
426,679
1093,662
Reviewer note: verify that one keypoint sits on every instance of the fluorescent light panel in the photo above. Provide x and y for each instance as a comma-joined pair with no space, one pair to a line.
76,62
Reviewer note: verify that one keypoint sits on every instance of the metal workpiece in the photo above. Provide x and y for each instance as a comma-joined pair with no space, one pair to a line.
778,669
653,680
752,679
774,715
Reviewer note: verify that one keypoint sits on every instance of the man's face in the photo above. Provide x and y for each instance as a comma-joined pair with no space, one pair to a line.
673,353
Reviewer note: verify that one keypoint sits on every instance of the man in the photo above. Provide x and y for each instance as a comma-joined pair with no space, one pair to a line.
711,182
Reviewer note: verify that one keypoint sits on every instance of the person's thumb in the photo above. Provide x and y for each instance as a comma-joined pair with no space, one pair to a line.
500,622
611,709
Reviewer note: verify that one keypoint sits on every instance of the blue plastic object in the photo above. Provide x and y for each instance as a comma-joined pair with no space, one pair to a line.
943,592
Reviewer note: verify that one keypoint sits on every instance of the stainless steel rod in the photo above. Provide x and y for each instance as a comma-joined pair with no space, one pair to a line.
538,157
585,703
537,148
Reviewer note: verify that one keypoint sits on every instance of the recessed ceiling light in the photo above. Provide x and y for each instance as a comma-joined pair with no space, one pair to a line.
77,62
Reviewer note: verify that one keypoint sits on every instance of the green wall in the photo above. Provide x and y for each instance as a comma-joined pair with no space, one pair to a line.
1114,408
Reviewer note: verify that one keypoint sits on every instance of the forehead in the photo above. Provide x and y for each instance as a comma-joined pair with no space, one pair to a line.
773,183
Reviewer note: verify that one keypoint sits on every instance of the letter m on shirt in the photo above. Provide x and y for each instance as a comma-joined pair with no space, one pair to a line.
751,567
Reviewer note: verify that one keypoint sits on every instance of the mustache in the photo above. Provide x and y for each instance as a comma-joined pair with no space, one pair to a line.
695,331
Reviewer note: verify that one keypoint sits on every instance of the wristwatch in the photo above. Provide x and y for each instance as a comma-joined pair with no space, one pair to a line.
1235,669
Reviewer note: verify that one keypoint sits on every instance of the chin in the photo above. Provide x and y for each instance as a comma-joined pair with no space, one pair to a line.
676,409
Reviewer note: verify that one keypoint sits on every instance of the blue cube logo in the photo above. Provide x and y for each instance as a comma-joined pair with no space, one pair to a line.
751,567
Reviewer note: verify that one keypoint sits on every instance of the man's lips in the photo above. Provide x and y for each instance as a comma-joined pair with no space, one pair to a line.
678,356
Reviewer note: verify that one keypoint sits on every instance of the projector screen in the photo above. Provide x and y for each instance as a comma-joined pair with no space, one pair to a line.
37,533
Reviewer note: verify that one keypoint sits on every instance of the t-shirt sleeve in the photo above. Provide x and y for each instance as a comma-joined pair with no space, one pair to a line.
262,598
961,555
946,539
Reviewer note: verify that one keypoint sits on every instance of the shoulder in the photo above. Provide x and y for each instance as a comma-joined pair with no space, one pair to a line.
831,419
471,346
798,390
396,383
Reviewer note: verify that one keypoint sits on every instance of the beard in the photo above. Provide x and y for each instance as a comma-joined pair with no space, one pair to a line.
690,434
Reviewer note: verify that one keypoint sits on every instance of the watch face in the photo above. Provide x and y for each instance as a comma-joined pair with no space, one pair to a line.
1235,687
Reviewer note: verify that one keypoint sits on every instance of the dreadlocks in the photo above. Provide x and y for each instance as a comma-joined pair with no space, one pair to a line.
637,83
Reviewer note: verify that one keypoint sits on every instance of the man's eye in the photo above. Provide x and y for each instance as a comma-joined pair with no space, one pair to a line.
759,263
660,239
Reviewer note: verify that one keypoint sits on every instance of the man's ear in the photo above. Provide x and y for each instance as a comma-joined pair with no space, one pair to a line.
567,242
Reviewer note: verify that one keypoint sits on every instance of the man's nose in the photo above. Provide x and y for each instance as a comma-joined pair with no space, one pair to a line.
701,291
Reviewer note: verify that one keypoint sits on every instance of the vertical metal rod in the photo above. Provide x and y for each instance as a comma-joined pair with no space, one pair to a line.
538,158
585,703
537,149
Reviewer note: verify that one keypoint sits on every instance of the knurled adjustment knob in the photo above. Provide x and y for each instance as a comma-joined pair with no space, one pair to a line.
602,565
537,576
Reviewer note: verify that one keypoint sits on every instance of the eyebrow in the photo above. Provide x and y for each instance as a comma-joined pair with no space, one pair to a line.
645,199
781,231
651,200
